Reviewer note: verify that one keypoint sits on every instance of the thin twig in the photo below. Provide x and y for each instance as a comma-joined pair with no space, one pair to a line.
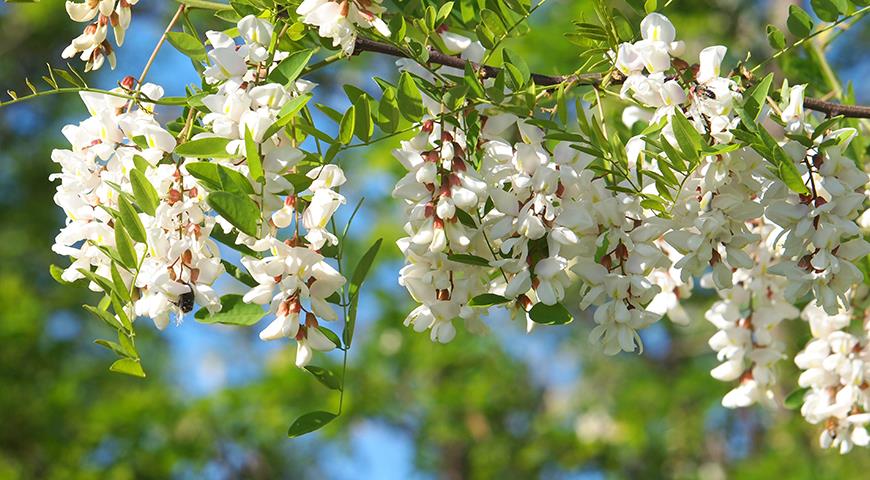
159,44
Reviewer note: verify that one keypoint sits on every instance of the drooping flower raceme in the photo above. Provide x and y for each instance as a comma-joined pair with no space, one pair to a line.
836,366
93,44
746,318
294,278
175,263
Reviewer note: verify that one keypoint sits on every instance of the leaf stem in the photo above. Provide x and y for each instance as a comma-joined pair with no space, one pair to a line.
856,14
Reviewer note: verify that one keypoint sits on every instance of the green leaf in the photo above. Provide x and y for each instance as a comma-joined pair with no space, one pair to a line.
325,376
444,12
825,10
496,91
103,315
398,28
488,300
114,347
758,96
287,112
653,204
128,366
105,284
346,127
363,126
234,311
300,181
518,71
650,6
291,67
209,147
126,343
329,333
356,281
310,422
118,307
187,44
56,273
126,252
473,81
493,22
787,170
825,125
238,273
775,37
795,399
363,267
130,218
238,209
215,177
799,22
468,259
550,314
388,111
121,288
789,174
688,138
144,193
252,150
409,98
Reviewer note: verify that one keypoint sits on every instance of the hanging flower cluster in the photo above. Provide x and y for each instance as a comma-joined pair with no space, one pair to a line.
822,242
746,318
295,277
167,258
93,44
519,229
836,366
503,207
162,257
545,223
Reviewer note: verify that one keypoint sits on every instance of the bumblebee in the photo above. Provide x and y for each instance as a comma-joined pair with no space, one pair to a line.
186,301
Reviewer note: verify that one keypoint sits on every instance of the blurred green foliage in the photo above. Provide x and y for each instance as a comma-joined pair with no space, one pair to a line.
499,406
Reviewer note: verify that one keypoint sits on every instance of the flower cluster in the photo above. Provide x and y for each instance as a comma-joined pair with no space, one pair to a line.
339,20
295,277
822,243
499,210
291,280
836,368
93,44
746,318
822,239
524,225
176,262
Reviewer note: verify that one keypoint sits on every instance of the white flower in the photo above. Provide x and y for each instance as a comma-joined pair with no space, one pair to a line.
657,28
92,43
793,113
710,63
338,21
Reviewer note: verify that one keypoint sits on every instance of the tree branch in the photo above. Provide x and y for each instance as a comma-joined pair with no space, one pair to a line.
487,71
834,109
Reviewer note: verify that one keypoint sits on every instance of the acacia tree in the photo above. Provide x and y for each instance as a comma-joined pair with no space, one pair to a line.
519,195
